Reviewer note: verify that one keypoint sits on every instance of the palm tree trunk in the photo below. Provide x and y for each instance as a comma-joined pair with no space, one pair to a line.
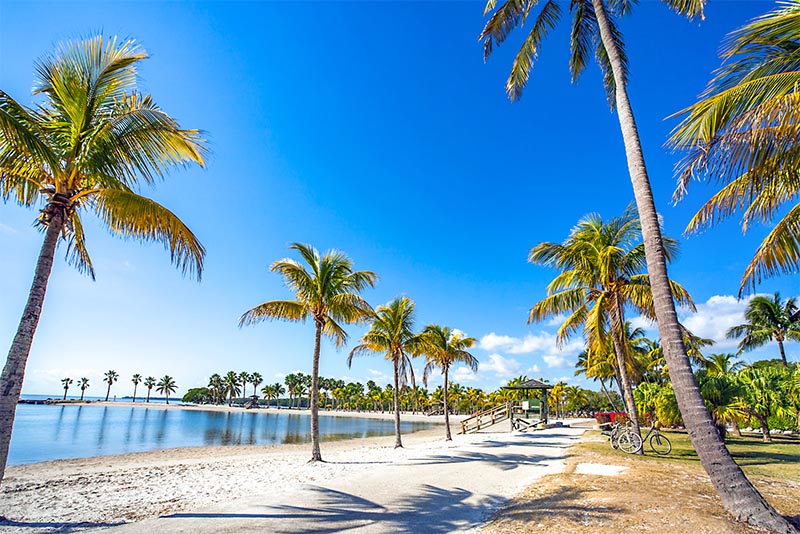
65,393
397,442
621,350
783,353
446,410
148,394
108,391
134,391
14,369
738,495
82,392
608,395
316,455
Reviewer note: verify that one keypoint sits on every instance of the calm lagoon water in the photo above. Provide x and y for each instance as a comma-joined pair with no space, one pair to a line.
46,432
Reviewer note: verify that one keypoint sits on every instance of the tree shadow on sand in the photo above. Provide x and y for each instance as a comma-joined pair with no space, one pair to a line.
53,527
564,504
431,510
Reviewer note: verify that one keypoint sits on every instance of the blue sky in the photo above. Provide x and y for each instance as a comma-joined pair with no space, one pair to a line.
374,128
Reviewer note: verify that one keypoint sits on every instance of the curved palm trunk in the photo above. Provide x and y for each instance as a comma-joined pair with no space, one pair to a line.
783,353
397,441
316,455
738,495
82,392
446,409
621,351
134,391
14,369
608,395
148,394
108,391
65,393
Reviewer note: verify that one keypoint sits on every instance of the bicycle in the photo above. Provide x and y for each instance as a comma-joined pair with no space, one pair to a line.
660,444
624,438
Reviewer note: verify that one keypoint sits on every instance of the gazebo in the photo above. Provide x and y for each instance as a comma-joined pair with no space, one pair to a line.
526,413
530,411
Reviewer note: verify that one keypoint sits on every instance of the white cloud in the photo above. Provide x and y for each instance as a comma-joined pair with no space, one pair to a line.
643,323
377,376
556,320
714,317
464,375
501,367
491,342
533,369
556,360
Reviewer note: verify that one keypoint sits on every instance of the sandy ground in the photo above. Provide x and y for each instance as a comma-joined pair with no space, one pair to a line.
365,484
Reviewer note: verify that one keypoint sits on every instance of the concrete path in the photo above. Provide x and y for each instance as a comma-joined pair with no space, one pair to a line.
455,489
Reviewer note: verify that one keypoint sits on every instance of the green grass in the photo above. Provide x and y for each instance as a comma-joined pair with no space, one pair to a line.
779,459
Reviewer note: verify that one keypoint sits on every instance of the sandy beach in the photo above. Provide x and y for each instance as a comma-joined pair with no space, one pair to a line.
113,491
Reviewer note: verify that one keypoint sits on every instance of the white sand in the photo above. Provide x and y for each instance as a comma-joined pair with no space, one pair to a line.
91,493
599,469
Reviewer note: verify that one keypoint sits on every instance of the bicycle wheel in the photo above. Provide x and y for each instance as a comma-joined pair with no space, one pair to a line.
614,440
660,444
630,442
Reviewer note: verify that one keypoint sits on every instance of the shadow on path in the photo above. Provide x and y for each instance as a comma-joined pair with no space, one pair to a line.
564,504
432,510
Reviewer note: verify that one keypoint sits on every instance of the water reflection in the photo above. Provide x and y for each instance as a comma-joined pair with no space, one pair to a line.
79,431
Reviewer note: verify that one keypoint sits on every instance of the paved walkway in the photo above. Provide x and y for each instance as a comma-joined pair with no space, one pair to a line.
454,490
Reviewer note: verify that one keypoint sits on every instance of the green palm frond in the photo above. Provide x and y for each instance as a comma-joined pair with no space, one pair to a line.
556,304
528,53
286,310
130,215
77,255
778,253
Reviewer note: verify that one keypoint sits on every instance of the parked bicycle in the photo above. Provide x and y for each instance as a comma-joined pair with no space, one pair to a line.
622,437
660,444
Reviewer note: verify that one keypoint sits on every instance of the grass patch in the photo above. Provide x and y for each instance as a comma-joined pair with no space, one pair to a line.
779,459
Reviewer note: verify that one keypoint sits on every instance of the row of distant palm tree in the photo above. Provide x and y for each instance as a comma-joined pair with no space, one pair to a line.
166,385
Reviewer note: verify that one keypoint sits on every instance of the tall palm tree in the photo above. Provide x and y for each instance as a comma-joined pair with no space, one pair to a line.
83,383
762,394
742,134
601,268
137,378
150,383
230,385
768,319
594,27
166,386
328,293
443,347
216,387
87,145
256,379
110,377
392,333
244,378
66,383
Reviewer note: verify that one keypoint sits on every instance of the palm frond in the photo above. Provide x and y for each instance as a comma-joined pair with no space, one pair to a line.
130,215
77,255
285,310
778,253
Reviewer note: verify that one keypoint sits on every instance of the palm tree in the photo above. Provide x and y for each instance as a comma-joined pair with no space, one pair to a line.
762,395
66,383
392,333
593,26
600,269
279,390
166,386
89,144
244,378
216,387
83,383
443,347
149,382
768,320
136,379
110,377
230,385
742,134
256,379
329,295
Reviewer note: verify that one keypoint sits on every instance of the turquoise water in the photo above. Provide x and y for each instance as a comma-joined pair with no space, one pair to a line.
47,432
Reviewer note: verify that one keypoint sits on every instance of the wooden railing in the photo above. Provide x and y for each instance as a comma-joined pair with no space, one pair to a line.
486,418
